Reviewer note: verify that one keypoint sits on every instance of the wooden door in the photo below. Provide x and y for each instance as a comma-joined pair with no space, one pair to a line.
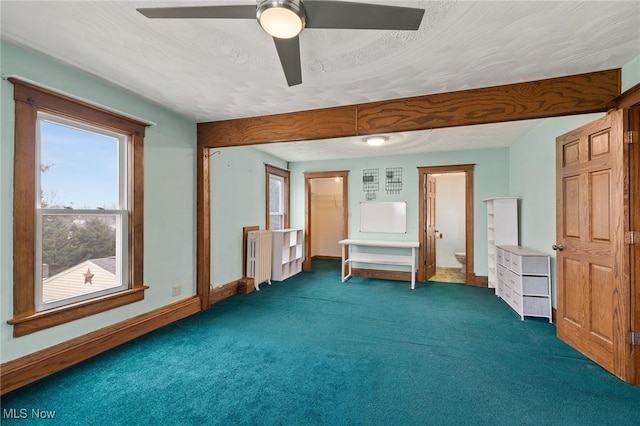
593,289
430,225
634,228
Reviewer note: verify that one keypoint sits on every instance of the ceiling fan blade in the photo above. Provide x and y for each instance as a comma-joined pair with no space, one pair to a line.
361,16
289,53
201,12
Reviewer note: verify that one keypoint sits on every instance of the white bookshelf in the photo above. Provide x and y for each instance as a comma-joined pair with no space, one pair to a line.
288,253
502,229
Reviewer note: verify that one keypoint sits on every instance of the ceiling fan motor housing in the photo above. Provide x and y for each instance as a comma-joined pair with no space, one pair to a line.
281,18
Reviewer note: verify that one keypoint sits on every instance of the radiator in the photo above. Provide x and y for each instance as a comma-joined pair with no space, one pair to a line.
259,257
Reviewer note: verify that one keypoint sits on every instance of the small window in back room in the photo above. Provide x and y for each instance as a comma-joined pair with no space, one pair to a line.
276,202
277,192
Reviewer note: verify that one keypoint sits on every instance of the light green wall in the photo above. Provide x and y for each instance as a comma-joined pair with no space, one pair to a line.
631,74
169,197
491,175
238,191
532,162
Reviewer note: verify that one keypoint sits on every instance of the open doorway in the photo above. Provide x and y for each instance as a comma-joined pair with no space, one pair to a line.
325,192
428,229
449,230
326,218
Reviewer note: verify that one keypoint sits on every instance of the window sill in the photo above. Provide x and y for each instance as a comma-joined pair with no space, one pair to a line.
50,318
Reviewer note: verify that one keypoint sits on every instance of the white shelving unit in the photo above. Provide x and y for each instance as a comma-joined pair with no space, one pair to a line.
288,253
502,229
524,280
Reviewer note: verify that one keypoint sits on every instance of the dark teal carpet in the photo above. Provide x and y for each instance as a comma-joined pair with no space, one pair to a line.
312,350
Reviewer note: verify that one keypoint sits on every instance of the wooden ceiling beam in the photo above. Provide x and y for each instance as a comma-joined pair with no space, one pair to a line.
294,126
553,97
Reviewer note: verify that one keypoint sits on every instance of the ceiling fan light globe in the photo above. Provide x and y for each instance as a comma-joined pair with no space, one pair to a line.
281,19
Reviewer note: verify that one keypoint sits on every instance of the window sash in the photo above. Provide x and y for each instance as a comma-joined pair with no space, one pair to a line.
276,221
278,208
121,244
276,192
121,214
77,125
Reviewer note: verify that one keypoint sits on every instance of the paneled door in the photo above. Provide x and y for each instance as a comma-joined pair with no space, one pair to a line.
593,287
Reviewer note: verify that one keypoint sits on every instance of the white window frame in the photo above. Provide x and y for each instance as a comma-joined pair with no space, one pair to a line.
121,214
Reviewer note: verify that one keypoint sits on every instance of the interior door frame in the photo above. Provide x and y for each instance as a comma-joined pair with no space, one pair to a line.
308,176
634,225
467,169
430,191
630,100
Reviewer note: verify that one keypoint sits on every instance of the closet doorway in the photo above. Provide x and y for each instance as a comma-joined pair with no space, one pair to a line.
326,214
428,231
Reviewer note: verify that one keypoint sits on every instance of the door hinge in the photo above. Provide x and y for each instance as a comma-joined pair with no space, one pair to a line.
633,338
632,237
631,136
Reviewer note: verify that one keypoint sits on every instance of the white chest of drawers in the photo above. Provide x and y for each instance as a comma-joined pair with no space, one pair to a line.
524,281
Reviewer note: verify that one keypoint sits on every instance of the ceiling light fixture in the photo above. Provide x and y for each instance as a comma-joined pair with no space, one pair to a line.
281,18
375,140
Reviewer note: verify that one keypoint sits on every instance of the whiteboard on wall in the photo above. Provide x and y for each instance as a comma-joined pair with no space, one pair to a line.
384,216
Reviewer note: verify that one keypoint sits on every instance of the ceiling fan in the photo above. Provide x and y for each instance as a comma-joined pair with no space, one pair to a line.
285,19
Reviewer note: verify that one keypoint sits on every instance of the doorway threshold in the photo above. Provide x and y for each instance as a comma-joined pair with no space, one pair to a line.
448,275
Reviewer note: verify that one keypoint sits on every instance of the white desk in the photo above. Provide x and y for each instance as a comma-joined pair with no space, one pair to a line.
378,258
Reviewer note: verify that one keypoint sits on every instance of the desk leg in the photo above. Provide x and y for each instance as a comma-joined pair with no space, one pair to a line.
343,264
342,271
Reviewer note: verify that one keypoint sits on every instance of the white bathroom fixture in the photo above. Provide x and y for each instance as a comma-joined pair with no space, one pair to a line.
461,257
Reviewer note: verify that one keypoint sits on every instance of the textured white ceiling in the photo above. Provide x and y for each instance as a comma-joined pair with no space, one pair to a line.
453,139
211,70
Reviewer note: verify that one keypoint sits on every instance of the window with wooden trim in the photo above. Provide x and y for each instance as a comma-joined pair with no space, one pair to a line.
277,198
78,193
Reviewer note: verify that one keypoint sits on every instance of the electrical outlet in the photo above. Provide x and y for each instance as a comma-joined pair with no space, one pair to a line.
176,290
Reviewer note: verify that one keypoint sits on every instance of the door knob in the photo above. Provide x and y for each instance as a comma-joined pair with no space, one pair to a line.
557,247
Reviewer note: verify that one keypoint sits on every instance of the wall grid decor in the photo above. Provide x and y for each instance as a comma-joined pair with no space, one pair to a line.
370,183
393,180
